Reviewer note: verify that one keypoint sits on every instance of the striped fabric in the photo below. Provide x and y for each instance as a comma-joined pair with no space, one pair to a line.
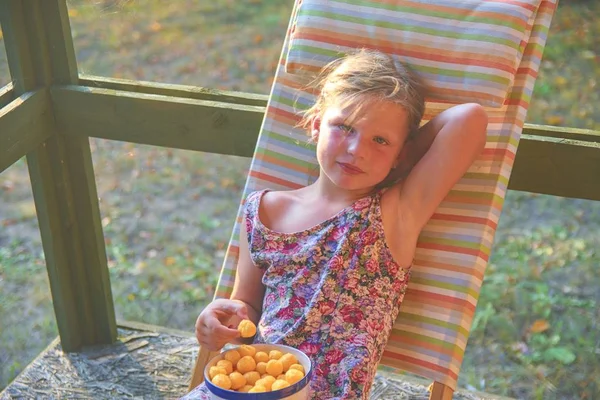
466,50
430,334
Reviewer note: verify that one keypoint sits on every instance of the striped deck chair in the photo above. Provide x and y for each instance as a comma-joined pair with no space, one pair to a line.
488,52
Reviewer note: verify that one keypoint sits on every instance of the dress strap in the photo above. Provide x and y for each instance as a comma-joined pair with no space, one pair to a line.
251,208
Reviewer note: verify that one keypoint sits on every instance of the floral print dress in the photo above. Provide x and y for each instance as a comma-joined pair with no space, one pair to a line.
332,291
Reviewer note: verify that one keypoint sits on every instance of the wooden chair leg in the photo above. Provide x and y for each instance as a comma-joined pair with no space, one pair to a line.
439,391
198,374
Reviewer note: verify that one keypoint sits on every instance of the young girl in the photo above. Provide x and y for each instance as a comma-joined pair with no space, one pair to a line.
324,268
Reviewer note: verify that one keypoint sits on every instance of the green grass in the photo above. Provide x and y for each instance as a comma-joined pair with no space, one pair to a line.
566,92
26,316
538,310
167,214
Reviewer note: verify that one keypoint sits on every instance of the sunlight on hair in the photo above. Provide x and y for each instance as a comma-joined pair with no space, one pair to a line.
363,76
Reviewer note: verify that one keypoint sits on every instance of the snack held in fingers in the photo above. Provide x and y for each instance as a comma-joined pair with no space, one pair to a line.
247,328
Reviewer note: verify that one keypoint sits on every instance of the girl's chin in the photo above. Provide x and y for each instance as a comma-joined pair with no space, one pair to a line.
352,182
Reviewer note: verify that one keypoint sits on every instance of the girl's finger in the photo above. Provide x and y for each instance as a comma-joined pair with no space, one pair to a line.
225,332
234,307
243,313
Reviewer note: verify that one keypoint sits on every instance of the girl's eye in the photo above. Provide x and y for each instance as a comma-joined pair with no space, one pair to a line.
381,140
345,128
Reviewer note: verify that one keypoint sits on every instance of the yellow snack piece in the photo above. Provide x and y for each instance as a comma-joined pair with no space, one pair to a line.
261,356
222,381
261,368
274,367
279,384
247,328
246,364
275,355
225,364
246,350
248,370
299,367
265,382
269,379
233,356
257,389
251,377
214,371
288,359
245,388
293,375
237,380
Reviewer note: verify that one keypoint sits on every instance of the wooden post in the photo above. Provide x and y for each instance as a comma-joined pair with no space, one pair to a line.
440,391
40,53
204,356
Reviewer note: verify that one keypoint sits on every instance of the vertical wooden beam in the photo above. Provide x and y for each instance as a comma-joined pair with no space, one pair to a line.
204,356
16,44
40,53
439,391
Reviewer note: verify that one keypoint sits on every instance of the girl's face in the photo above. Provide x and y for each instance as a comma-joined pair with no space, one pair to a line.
359,154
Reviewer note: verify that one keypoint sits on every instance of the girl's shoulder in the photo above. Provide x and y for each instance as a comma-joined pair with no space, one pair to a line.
271,205
272,198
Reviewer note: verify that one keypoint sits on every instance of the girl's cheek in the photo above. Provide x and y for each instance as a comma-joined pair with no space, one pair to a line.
336,138
336,133
386,156
384,151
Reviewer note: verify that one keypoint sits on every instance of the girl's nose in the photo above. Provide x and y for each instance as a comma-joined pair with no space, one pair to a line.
356,145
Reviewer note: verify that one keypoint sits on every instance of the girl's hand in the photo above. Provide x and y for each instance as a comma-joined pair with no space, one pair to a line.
217,323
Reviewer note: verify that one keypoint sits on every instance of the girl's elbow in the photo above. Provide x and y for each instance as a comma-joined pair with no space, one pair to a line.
476,119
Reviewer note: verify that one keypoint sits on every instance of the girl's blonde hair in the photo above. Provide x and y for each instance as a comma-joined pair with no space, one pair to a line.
363,76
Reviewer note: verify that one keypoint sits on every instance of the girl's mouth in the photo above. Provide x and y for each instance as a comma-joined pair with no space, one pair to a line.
350,169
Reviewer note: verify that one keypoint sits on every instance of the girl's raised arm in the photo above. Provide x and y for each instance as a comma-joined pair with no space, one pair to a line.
454,138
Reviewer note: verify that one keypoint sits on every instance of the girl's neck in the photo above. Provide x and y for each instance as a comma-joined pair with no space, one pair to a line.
323,189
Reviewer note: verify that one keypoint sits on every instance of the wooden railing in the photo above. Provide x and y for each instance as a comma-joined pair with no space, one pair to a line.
49,111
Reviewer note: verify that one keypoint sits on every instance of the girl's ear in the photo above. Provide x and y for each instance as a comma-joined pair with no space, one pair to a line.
315,128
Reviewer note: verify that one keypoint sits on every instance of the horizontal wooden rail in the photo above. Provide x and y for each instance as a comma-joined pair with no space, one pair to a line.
171,90
550,160
7,94
586,135
24,125
177,122
558,166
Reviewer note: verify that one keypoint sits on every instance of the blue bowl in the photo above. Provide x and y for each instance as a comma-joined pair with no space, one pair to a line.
297,391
